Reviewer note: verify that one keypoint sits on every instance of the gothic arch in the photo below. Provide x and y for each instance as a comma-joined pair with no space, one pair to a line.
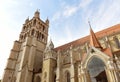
96,70
67,76
91,65
34,22
32,32
37,79
54,77
97,57
97,53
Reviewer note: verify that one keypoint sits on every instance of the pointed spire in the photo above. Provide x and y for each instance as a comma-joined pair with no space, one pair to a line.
47,21
50,45
93,39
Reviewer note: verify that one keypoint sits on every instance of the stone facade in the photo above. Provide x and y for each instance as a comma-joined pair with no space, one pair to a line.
94,58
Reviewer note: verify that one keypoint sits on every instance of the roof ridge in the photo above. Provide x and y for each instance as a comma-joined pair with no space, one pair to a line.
101,33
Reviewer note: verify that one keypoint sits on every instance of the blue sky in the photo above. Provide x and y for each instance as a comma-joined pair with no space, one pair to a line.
68,19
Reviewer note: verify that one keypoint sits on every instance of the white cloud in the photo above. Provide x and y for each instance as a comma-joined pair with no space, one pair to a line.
84,3
107,14
68,32
65,12
56,16
70,11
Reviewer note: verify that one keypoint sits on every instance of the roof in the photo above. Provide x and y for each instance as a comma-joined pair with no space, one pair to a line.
100,34
93,39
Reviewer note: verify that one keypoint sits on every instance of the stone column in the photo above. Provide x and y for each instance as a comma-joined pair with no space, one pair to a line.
107,74
83,77
111,71
117,63
72,74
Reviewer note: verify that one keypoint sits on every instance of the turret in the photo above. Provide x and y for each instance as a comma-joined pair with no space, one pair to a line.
49,63
36,14
47,21
49,51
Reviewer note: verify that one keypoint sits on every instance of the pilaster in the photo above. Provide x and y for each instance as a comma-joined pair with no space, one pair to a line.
58,73
72,65
26,67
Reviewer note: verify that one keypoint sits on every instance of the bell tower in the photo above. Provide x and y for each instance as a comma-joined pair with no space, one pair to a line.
35,28
26,57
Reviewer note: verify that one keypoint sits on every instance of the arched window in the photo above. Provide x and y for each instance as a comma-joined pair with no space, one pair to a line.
116,41
37,34
42,37
33,31
38,79
67,76
55,78
39,37
96,70
24,36
43,28
34,22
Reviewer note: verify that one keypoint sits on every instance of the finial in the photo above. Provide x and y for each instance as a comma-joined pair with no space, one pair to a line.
37,13
89,23
50,45
47,21
27,20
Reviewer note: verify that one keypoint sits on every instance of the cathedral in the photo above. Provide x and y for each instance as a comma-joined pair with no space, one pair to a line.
93,58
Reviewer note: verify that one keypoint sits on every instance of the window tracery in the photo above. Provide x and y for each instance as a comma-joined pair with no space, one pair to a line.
66,59
115,38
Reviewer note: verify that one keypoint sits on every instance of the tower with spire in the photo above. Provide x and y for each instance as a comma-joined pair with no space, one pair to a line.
26,57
